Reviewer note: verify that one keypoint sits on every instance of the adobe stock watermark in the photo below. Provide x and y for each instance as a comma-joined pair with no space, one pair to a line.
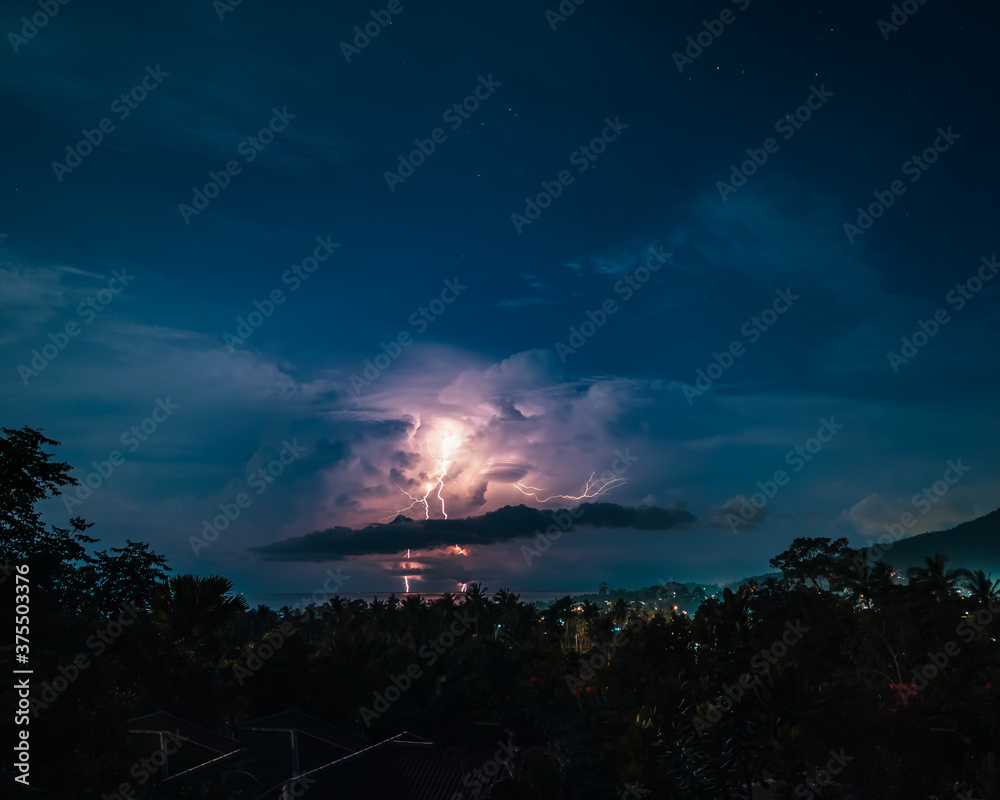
223,7
30,27
249,149
274,640
380,20
564,519
796,458
478,780
910,346
788,125
914,168
259,480
146,768
455,116
97,644
818,779
297,275
87,310
901,13
132,439
563,11
626,287
429,654
582,158
713,29
971,286
761,665
938,660
419,320
296,787
923,501
752,329
121,107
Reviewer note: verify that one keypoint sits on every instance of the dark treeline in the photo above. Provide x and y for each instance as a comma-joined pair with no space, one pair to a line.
837,680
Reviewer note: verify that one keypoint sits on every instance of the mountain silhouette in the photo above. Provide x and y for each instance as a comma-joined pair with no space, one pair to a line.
973,545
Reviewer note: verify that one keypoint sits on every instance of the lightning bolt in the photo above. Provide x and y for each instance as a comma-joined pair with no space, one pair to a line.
434,485
591,489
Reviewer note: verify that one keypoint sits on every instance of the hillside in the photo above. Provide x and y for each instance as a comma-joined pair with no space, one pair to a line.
974,545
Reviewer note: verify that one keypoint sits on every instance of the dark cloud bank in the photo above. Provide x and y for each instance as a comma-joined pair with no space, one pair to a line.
503,525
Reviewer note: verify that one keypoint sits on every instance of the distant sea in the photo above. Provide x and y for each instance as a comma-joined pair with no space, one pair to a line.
277,600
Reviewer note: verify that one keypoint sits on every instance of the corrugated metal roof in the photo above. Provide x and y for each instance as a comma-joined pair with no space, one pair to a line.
162,721
293,719
404,767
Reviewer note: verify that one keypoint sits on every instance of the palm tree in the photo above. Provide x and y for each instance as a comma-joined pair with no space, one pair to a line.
197,612
591,612
517,620
861,580
619,612
505,598
558,616
381,621
475,599
411,613
982,588
935,579
444,610
506,604
725,626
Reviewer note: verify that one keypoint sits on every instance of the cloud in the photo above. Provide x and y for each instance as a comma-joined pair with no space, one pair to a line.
720,517
871,514
622,259
505,470
503,525
521,302
501,423
533,282
32,295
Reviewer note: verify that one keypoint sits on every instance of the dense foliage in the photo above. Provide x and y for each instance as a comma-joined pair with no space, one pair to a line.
812,681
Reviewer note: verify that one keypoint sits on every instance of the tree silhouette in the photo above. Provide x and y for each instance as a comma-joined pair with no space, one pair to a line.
475,599
130,576
196,613
28,475
812,562
983,590
935,579
703,707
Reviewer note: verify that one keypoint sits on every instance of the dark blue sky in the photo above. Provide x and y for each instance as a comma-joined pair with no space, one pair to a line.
139,299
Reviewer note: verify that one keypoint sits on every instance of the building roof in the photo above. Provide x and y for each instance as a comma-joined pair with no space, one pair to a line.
330,762
405,767
204,737
284,745
198,745
293,719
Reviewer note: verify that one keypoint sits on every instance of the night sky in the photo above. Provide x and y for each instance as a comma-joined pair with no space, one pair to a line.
514,245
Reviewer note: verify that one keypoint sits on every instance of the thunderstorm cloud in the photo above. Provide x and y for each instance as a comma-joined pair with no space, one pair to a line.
505,524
